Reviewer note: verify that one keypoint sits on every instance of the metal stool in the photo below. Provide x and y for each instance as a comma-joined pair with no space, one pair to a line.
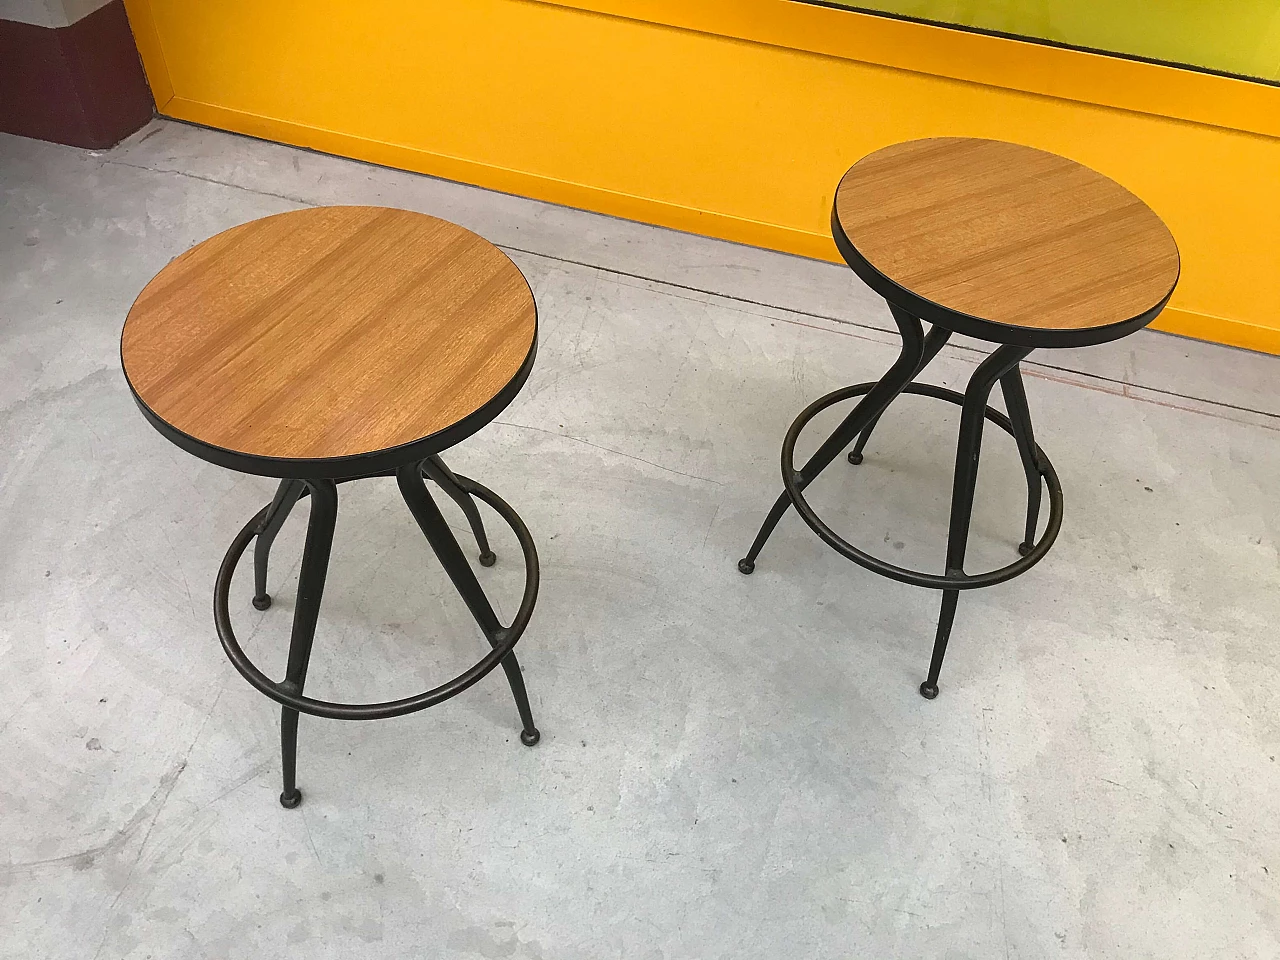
1002,243
328,345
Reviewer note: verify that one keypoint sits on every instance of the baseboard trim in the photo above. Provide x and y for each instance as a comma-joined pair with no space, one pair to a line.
1177,320
505,180
1224,330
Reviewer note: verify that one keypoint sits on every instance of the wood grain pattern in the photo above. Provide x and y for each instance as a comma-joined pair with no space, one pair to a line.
1007,233
328,332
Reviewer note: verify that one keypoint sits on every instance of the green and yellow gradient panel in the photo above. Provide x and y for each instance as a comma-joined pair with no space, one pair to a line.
1240,37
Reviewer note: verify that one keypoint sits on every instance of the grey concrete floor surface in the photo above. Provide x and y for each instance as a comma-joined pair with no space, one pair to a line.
730,766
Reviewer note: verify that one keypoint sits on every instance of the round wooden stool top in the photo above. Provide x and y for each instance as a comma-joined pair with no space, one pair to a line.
1004,242
330,342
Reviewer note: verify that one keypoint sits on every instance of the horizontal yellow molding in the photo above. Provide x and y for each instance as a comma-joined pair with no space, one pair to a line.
707,223
1233,333
1030,67
755,233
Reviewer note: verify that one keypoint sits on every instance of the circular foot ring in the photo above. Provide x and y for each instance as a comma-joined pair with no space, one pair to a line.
746,566
262,602
919,578
504,640
530,737
928,690
291,800
488,559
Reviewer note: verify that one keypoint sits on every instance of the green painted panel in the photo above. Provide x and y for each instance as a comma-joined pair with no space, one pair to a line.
1237,36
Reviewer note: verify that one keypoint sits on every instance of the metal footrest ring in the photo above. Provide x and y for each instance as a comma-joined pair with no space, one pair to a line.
919,578
505,641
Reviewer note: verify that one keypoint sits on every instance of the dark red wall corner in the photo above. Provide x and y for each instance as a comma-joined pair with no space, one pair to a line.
80,84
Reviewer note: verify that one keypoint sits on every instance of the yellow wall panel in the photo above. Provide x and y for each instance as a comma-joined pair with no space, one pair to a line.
719,135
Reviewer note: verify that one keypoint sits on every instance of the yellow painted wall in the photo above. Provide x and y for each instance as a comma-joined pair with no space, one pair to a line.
734,119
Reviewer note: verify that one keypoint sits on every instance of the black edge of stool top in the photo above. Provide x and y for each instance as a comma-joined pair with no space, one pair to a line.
330,342
1004,242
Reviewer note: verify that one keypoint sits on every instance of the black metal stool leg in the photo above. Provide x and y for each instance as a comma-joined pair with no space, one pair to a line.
870,406
453,560
855,455
1015,401
435,468
315,565
747,564
287,495
968,449
933,342
946,617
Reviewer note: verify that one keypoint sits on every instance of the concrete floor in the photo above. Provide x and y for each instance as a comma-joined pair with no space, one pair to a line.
730,767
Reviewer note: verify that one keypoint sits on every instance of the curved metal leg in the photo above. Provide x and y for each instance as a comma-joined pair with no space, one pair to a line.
869,407
855,455
936,339
445,545
315,565
434,468
287,495
1015,401
968,449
